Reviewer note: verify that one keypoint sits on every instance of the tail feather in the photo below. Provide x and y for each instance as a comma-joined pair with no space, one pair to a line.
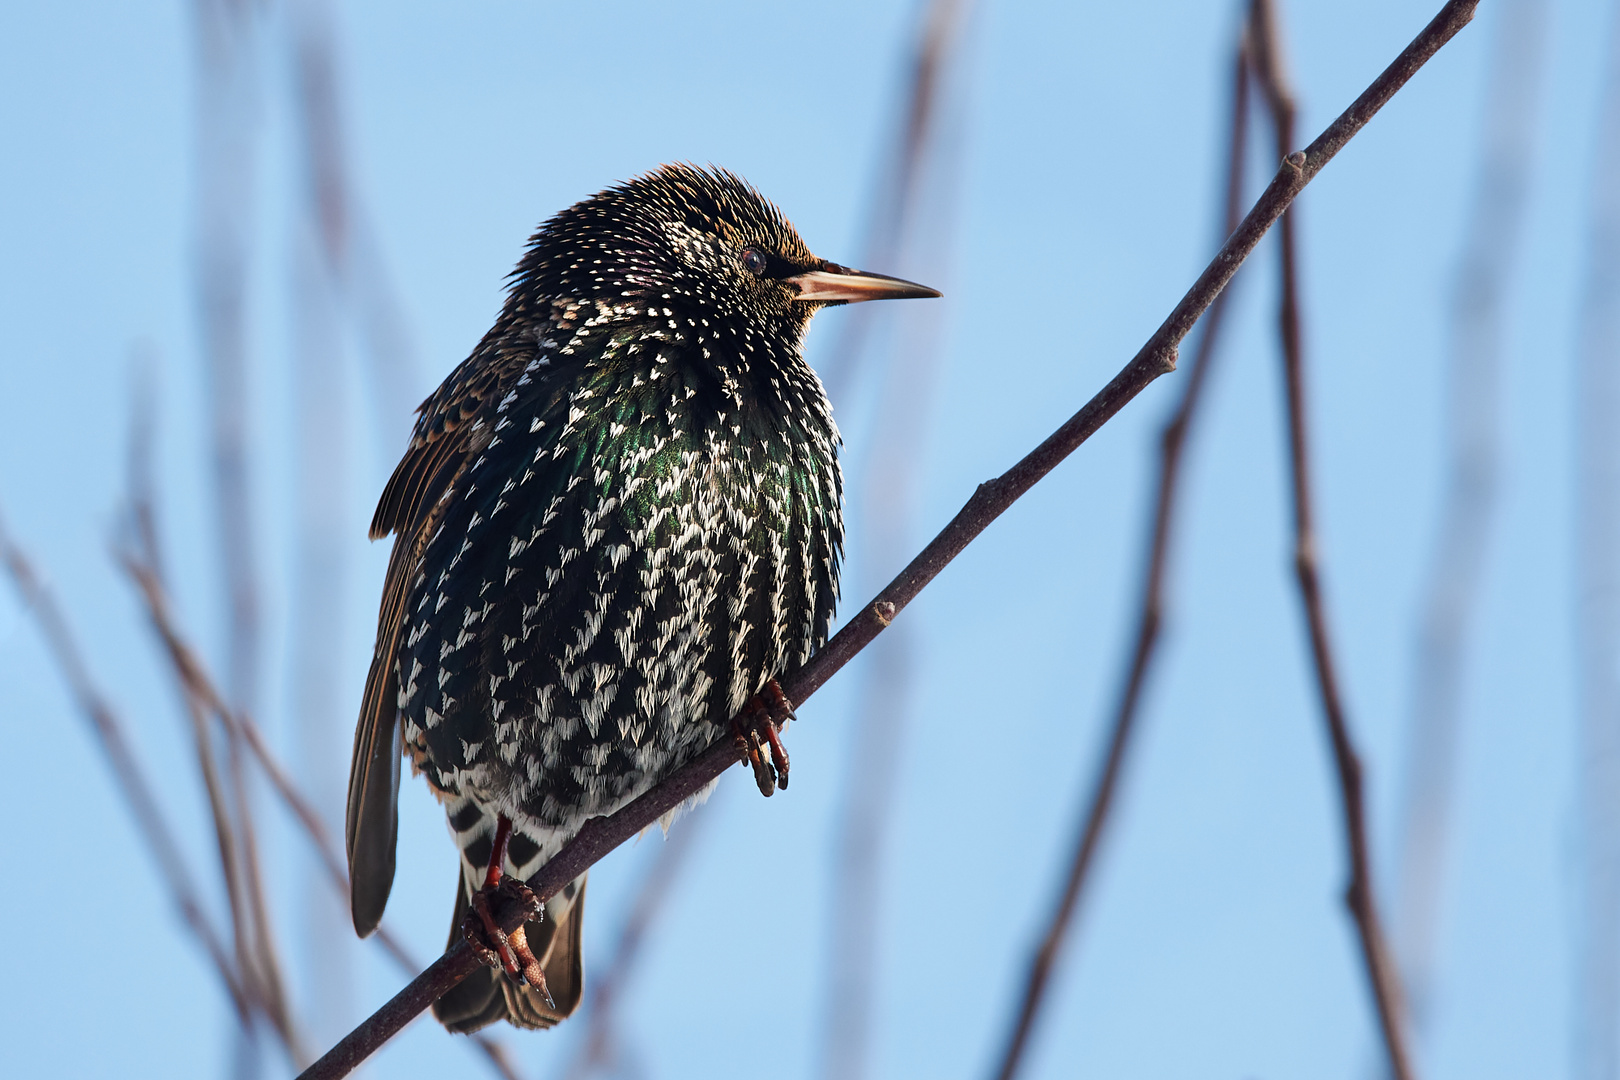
487,995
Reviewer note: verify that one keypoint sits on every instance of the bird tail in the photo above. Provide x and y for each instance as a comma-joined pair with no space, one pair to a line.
487,995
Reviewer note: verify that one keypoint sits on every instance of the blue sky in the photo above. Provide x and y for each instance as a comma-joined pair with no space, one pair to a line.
1214,943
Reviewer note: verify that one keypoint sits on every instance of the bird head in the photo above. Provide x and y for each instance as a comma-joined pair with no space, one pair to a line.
691,243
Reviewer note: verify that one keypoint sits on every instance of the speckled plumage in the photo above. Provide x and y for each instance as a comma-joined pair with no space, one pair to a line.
616,521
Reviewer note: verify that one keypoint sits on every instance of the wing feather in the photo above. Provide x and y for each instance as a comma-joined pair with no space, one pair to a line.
409,507
372,820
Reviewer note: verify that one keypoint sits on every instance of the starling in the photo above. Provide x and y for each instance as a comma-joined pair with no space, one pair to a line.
618,523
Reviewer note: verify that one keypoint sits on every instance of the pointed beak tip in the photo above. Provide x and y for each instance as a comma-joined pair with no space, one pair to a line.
837,284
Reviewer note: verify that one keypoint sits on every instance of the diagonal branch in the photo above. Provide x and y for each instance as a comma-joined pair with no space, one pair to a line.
1359,895
1157,357
1171,442
203,696
132,782
256,963
140,555
230,862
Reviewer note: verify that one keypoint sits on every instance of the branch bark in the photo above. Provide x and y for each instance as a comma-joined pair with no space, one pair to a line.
1382,976
1171,442
1156,357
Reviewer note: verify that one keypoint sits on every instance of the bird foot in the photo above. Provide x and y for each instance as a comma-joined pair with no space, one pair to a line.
495,947
757,733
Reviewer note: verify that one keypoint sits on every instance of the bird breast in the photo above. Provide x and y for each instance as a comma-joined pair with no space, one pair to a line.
634,552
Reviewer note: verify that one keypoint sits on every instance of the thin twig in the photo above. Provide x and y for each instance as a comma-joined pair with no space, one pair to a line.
142,525
227,102
1382,975
1171,442
255,967
266,958
201,690
1157,357
137,791
140,556
141,519
225,845
255,955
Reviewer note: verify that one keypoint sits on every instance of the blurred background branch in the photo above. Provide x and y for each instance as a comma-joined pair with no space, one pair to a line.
133,785
1473,364
326,517
1597,600
257,969
911,232
227,36
892,206
139,553
1150,615
227,42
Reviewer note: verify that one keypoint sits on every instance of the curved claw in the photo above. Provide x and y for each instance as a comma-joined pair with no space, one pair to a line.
757,735
495,947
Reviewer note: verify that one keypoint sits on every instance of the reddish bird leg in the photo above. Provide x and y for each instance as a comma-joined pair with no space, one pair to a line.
757,735
497,851
495,947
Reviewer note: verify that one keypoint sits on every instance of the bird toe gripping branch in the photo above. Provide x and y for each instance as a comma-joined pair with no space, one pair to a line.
495,947
757,733
489,907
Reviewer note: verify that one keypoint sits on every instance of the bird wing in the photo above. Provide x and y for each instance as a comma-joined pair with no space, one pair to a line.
445,439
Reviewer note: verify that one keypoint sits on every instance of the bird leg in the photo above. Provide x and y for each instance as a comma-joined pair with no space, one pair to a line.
497,851
482,927
757,734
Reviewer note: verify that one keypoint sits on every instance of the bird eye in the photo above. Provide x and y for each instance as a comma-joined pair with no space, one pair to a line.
753,261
